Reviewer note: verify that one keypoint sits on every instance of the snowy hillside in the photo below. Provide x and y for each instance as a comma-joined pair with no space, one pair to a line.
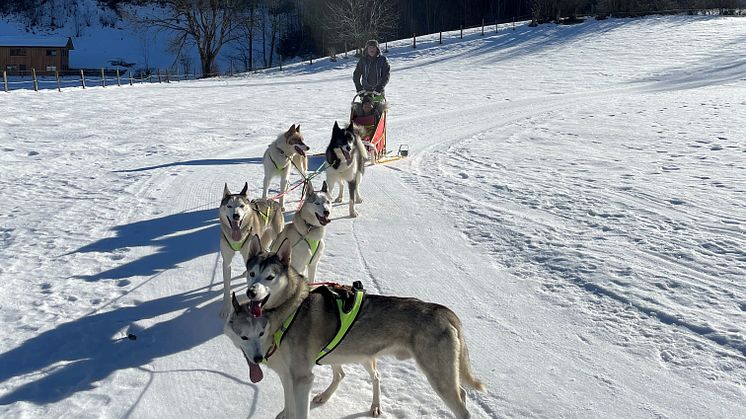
100,35
576,194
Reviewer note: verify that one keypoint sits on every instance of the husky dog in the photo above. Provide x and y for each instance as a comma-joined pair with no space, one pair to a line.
306,232
403,327
346,157
285,151
247,332
239,219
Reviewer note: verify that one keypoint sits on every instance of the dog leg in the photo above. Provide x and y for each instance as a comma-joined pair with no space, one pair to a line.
337,375
227,258
302,388
314,263
442,372
267,179
353,191
375,407
283,187
287,389
358,197
341,192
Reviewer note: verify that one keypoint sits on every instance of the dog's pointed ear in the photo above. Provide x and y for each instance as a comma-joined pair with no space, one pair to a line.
236,306
297,129
226,192
291,130
255,246
284,252
336,127
324,187
245,190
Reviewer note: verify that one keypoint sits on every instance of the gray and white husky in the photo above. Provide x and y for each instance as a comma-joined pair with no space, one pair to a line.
247,334
287,150
306,231
403,327
346,157
240,218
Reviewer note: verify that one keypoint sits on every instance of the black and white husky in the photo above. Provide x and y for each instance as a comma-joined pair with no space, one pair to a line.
240,218
404,327
286,151
346,157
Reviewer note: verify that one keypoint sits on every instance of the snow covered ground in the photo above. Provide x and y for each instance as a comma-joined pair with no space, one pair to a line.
577,194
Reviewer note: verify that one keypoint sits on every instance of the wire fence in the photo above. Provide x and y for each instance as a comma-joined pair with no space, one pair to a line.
86,78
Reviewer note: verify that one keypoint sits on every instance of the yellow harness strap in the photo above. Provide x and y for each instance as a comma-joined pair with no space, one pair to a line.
346,320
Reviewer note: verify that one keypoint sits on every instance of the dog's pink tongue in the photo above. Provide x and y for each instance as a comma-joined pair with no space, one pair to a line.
255,372
256,309
348,156
235,231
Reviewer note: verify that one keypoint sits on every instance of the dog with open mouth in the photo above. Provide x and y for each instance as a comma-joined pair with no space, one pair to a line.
239,218
287,151
306,231
308,324
346,157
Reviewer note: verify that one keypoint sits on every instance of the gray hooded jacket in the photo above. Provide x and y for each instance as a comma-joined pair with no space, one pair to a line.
371,73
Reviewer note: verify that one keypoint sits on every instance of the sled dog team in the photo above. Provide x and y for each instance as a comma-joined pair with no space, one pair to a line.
291,324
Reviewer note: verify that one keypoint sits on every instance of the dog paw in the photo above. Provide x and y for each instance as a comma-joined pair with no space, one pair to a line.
225,311
375,411
338,200
320,399
280,415
354,214
359,200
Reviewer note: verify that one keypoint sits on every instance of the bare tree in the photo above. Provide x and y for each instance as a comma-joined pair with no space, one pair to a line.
356,21
208,24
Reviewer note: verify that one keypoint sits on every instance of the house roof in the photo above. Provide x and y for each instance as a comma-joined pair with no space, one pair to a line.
36,41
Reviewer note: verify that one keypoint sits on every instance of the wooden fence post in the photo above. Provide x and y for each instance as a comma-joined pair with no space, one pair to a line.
345,49
440,37
482,27
33,76
168,75
5,80
119,84
82,78
513,22
386,48
129,72
414,41
462,31
57,77
103,78
159,76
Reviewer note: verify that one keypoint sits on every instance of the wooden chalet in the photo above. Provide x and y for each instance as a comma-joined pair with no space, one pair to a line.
20,54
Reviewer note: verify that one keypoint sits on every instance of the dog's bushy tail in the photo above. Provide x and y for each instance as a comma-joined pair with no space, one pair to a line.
464,366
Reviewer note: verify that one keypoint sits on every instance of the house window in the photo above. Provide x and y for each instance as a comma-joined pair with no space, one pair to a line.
17,52
51,68
51,53
22,67
11,67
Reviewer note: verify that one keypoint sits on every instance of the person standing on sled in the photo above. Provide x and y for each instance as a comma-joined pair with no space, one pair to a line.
372,73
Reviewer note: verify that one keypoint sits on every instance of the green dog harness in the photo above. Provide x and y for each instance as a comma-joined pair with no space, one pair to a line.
346,320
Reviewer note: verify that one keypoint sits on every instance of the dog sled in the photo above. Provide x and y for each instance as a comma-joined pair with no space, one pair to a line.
374,125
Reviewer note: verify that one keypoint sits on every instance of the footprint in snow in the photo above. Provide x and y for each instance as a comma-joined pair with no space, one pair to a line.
463,175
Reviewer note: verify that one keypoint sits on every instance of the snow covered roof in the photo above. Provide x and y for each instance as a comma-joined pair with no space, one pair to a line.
36,41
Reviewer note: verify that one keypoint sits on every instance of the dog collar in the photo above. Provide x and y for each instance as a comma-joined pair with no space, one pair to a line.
279,334
278,168
236,246
264,216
